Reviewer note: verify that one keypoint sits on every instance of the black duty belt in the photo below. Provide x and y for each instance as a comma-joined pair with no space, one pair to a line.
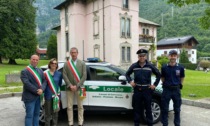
171,87
142,87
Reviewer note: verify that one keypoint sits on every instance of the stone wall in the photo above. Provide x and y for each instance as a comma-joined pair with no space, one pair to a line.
12,78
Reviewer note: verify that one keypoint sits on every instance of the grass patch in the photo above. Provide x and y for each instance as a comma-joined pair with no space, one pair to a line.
21,64
196,82
8,90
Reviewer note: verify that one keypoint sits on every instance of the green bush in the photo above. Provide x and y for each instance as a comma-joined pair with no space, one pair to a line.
204,64
163,61
189,66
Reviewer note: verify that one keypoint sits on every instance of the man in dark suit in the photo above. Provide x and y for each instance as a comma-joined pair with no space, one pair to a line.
34,84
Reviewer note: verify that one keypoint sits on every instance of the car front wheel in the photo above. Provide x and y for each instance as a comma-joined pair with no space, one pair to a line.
156,111
42,115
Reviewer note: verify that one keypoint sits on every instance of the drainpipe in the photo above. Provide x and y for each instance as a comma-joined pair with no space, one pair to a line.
104,56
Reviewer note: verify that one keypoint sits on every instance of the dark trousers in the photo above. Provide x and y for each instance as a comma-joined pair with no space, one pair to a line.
167,95
141,100
50,114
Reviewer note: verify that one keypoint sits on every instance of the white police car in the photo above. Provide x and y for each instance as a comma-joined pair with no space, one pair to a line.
108,90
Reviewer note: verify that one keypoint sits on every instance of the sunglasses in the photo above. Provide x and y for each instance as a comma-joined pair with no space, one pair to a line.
53,63
141,55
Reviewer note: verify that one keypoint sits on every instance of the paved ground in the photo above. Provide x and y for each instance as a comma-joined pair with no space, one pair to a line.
12,114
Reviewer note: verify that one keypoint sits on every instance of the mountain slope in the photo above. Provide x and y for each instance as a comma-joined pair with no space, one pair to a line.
176,21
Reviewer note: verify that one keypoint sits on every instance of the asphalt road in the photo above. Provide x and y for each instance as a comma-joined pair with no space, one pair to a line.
12,114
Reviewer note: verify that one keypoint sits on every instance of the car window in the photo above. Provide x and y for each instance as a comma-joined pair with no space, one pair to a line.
103,73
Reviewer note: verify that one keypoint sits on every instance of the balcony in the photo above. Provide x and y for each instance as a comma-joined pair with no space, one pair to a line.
143,38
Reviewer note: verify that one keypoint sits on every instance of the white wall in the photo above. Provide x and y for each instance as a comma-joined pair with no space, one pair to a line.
192,59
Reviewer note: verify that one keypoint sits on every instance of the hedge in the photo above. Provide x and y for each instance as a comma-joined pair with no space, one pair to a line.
189,66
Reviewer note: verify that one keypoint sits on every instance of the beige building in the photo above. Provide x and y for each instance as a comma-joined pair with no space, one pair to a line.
108,29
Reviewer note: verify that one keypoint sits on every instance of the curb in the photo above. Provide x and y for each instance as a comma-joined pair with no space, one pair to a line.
184,101
196,103
6,95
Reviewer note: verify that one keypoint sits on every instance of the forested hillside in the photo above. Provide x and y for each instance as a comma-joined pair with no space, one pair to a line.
46,19
177,21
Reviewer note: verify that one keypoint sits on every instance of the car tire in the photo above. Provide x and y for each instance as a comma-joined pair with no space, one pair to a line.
42,116
156,111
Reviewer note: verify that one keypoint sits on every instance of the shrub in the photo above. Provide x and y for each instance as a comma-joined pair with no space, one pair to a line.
189,66
163,60
204,64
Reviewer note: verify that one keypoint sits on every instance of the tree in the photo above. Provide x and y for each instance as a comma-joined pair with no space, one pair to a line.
17,33
52,47
206,48
184,57
205,20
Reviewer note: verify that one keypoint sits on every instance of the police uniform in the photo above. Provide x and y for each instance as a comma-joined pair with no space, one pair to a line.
142,96
171,90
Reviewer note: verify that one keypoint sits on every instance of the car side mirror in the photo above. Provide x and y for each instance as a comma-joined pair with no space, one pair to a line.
123,79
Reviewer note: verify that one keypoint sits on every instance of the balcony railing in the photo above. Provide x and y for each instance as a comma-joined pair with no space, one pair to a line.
146,38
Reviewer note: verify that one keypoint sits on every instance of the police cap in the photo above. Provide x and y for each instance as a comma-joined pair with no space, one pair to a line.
141,52
173,52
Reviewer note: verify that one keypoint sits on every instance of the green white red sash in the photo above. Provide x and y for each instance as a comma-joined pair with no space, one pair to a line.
35,74
74,70
56,93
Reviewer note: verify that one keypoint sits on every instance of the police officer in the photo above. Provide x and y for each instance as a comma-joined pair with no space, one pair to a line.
143,88
172,76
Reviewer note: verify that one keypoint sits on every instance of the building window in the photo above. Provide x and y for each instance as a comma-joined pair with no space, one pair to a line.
67,42
147,32
125,27
96,26
192,52
125,4
66,16
165,52
95,6
143,31
96,50
125,53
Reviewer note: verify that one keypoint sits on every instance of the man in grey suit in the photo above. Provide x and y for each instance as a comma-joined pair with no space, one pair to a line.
74,75
34,84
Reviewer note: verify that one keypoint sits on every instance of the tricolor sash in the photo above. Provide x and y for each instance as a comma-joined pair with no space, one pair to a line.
35,74
37,78
56,93
74,70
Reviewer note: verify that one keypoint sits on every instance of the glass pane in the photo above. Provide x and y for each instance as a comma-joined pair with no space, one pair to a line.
147,32
128,54
103,73
143,31
123,54
122,27
66,16
67,42
128,27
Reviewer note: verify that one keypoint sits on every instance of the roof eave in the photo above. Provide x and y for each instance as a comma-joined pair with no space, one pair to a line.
58,7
